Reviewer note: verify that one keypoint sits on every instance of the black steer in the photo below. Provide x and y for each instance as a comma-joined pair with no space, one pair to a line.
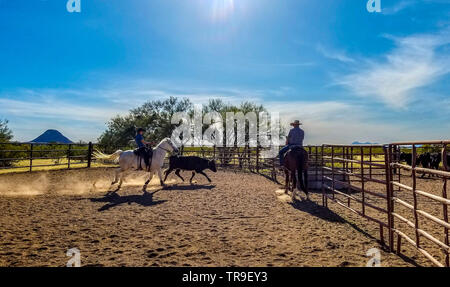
406,157
194,163
436,159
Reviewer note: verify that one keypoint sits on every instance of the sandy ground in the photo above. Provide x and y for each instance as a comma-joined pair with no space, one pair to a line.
238,220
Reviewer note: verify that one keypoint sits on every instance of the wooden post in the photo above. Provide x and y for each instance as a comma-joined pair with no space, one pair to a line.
316,164
363,197
389,194
324,197
332,171
257,158
414,183
445,208
31,157
68,155
89,159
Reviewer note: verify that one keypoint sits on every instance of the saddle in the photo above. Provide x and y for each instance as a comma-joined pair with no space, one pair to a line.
144,153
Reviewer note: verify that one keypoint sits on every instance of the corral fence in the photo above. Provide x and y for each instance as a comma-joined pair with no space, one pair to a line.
407,201
419,217
371,181
35,156
21,157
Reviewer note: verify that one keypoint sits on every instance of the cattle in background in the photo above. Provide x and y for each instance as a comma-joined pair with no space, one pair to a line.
436,159
424,160
406,157
194,163
430,161
446,160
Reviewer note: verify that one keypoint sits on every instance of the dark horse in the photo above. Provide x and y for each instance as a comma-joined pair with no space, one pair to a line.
296,160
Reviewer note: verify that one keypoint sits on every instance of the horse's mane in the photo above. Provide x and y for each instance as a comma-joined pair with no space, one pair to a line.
163,140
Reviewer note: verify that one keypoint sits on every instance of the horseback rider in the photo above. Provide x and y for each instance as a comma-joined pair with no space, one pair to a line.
142,151
294,139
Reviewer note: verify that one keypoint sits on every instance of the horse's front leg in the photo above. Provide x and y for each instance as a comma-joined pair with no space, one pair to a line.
160,177
150,176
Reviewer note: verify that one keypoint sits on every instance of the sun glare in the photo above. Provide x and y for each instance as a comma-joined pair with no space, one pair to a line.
222,9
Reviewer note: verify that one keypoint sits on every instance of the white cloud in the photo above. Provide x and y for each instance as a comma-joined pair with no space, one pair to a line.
397,7
334,55
414,63
46,109
33,111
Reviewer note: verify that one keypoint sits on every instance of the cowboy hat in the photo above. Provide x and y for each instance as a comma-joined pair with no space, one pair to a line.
296,123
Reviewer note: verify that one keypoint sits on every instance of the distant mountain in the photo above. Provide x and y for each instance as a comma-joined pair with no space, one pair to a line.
366,143
51,136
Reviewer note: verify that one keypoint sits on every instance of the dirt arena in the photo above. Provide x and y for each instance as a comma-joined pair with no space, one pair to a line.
238,220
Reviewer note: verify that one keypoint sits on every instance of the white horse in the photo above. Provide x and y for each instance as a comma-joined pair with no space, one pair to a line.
128,161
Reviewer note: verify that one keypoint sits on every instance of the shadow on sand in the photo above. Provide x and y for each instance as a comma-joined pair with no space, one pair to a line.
317,210
326,214
114,199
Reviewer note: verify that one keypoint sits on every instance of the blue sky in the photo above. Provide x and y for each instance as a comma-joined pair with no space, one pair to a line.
346,73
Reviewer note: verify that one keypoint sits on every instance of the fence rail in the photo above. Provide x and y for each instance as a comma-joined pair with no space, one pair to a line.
34,156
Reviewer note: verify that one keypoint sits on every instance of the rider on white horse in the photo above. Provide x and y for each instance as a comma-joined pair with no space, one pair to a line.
143,152
128,161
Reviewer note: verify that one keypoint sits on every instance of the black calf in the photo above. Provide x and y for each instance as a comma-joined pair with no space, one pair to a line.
194,163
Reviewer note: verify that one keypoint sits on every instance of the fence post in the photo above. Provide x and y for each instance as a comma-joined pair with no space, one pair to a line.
31,157
324,196
68,156
257,158
445,208
89,159
389,193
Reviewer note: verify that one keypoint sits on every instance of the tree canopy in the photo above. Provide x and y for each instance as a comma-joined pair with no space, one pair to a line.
155,116
5,133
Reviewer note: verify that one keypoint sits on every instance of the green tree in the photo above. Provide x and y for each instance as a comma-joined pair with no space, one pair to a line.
154,116
5,133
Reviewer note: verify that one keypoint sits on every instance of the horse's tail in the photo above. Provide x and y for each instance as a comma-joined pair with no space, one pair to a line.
113,157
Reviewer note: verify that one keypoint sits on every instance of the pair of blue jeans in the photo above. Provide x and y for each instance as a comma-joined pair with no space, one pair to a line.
283,151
